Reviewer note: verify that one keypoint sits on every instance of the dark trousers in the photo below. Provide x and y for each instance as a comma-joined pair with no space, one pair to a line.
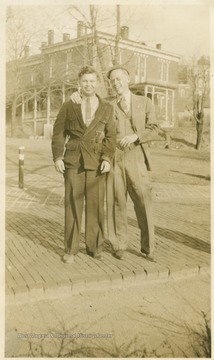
129,176
79,185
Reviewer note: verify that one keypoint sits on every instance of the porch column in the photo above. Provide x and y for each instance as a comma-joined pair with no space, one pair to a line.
145,90
153,95
173,107
166,105
63,93
48,105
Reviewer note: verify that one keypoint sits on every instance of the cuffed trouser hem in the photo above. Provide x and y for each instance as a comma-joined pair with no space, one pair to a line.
69,252
147,252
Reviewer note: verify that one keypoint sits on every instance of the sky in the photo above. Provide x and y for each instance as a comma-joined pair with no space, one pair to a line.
182,28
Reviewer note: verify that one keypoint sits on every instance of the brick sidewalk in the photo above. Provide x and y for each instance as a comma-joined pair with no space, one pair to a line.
35,221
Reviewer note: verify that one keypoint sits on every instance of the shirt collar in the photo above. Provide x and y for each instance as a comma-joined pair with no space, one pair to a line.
92,98
126,95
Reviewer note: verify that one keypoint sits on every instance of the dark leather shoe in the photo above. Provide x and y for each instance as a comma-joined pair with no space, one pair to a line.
120,254
148,257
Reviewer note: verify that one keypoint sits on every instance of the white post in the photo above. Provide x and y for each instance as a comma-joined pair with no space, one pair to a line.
21,167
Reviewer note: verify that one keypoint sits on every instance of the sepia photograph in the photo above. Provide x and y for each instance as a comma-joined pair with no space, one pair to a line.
107,206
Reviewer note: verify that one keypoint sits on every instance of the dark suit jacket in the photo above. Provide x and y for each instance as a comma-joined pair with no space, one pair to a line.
93,144
143,122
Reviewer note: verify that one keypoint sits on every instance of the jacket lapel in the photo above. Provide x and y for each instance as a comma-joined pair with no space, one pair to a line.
78,112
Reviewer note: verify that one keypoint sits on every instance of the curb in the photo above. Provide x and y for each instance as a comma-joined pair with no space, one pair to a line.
52,290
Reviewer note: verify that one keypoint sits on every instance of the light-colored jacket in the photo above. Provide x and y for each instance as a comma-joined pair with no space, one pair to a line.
144,122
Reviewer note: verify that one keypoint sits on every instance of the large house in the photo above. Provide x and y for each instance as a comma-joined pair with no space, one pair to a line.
39,84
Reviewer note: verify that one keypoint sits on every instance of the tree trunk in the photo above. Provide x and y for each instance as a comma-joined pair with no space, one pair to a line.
199,129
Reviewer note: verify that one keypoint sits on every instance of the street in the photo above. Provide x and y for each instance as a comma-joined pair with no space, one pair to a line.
164,319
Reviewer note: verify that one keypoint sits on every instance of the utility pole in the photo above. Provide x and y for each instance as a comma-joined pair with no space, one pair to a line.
117,38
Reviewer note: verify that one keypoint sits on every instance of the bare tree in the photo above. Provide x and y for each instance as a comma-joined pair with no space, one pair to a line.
198,78
18,39
91,23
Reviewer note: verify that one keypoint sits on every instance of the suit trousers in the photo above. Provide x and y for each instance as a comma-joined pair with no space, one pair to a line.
79,185
129,176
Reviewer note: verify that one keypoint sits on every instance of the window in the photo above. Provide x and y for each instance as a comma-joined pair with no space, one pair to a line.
140,67
136,67
182,92
68,61
163,70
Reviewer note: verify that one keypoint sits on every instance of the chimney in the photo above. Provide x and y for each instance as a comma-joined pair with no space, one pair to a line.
66,37
43,44
80,28
158,46
50,37
26,51
124,32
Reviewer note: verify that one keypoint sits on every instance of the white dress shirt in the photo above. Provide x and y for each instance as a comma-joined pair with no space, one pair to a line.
94,102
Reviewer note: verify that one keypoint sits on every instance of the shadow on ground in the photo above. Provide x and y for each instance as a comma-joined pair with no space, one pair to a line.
194,175
182,238
179,237
41,231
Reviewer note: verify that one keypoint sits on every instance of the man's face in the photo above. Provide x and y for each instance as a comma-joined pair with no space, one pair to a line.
119,81
89,84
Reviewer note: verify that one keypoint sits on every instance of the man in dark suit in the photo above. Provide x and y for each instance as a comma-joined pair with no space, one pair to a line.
135,126
84,160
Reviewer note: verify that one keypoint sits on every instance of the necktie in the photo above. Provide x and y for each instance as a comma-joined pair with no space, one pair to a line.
88,112
123,104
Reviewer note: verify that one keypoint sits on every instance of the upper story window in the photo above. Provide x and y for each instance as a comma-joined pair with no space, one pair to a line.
68,63
182,92
140,67
163,70
52,65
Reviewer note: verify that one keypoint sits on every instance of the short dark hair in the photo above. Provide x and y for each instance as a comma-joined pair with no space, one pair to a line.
87,70
117,67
